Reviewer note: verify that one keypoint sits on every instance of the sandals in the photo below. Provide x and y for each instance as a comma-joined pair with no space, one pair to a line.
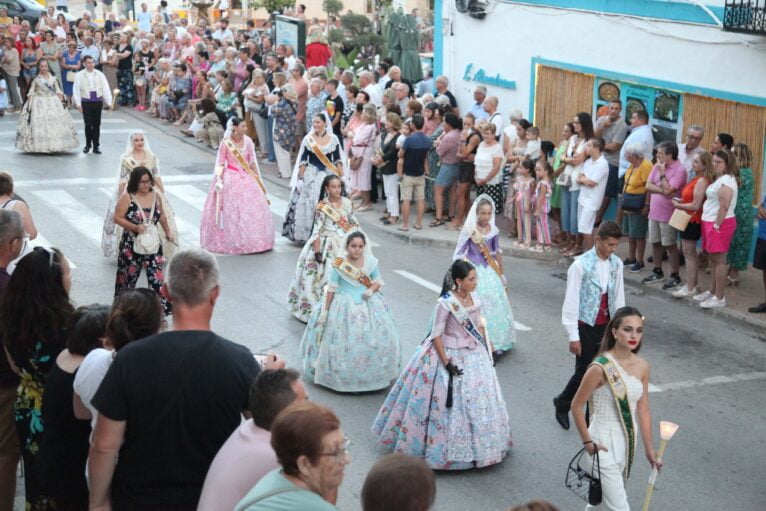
438,222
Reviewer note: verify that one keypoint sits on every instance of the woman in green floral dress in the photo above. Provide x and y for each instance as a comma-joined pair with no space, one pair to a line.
739,250
35,311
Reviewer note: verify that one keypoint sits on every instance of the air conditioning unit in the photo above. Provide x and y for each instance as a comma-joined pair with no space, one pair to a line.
474,8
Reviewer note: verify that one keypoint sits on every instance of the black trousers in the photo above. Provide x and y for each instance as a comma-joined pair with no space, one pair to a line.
91,114
590,342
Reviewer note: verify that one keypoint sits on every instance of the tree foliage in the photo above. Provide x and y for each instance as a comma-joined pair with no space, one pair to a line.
271,5
357,43
332,7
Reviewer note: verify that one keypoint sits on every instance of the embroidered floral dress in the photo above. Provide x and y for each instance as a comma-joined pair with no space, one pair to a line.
236,218
130,264
495,306
358,348
310,276
34,367
305,192
44,125
414,419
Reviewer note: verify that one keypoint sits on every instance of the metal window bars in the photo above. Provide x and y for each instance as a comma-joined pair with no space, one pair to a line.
747,17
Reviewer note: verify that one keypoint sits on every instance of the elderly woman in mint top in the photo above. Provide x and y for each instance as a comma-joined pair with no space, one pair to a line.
313,452
739,251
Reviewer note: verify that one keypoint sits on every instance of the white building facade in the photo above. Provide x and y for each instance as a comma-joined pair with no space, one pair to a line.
554,58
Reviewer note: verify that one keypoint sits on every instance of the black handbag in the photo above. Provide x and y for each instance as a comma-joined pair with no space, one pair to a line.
583,483
632,201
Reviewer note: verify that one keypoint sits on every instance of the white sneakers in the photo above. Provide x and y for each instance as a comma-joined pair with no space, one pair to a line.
683,292
702,296
713,303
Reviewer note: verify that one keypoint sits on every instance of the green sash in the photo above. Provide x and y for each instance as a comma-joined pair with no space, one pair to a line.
620,393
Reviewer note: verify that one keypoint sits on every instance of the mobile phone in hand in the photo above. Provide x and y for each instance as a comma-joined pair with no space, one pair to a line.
261,358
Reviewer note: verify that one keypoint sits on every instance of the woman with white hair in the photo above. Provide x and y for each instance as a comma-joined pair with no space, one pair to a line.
635,207
395,75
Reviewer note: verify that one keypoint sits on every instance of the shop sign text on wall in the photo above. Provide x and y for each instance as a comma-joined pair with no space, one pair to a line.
481,76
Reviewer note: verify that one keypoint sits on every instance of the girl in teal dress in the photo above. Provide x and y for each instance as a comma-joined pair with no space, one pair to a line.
739,250
479,244
351,343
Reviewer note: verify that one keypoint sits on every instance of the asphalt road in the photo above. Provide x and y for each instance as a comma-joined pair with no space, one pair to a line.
709,375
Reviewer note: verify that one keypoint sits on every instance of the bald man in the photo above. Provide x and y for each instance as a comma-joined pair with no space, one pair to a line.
490,106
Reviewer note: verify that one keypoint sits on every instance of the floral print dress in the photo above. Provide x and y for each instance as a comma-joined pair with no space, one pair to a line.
358,348
130,264
739,250
434,164
34,367
417,418
310,276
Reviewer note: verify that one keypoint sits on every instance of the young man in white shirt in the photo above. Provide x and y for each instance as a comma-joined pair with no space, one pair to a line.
595,291
90,92
593,178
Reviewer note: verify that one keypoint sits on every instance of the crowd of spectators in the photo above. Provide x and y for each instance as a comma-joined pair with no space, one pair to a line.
111,412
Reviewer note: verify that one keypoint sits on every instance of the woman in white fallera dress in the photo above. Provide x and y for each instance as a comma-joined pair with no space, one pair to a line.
333,218
44,125
616,402
318,157
137,153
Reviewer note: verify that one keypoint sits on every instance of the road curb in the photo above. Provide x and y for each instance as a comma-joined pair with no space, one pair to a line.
743,319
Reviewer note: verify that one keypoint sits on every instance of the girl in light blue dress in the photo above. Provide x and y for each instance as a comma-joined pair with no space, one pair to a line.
479,244
351,343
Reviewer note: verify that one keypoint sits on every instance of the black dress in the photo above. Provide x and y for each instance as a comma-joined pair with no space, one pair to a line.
64,447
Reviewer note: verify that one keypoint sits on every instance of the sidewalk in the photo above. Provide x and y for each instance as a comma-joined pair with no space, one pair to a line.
738,299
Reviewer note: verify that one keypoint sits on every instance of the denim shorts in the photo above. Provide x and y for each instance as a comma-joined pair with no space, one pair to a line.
448,174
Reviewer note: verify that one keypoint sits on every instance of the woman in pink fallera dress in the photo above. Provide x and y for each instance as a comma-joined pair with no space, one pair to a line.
236,218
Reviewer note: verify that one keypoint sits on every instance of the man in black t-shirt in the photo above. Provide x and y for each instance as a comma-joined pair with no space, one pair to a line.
441,84
413,172
334,107
170,401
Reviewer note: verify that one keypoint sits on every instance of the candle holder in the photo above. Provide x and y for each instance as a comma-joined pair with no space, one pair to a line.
115,95
667,430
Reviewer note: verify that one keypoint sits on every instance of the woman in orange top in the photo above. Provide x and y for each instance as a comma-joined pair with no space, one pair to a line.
692,198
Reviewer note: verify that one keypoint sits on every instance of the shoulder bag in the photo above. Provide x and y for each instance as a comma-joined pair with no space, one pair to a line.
356,161
632,202
148,242
680,220
584,483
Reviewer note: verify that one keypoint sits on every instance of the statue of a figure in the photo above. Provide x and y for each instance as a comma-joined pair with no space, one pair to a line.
202,7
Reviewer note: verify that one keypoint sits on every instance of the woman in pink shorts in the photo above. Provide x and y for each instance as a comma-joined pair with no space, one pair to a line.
718,226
